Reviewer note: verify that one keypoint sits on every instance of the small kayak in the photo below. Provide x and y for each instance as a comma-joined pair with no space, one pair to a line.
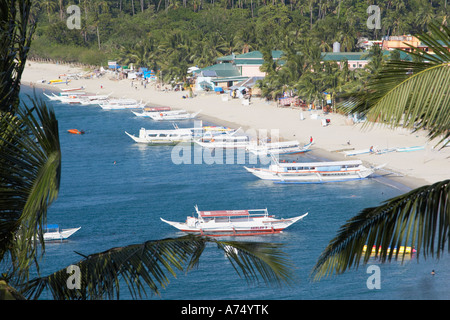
75,131
402,249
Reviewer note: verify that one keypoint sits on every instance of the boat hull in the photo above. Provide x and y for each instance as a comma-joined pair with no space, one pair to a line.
63,234
282,148
173,117
310,177
159,142
254,227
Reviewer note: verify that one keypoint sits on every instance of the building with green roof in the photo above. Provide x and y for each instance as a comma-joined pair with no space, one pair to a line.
234,68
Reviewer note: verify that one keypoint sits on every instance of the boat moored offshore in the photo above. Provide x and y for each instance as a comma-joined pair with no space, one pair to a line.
52,232
234,223
162,137
312,172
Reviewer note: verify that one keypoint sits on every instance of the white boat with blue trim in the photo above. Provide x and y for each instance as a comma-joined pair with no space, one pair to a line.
172,115
177,135
278,148
234,223
52,232
163,137
312,172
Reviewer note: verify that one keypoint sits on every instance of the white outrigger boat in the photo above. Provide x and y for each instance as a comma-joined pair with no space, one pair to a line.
77,98
163,137
73,89
52,232
278,148
409,149
234,223
149,114
375,150
95,99
118,104
168,116
52,97
313,172
225,141
176,135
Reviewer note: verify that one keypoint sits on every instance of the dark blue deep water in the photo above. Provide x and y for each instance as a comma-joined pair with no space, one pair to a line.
117,190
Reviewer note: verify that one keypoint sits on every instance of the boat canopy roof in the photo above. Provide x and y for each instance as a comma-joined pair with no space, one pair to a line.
51,226
321,164
231,213
280,144
224,213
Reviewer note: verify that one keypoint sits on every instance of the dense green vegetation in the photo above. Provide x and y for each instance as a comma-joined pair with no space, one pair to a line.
196,32
173,35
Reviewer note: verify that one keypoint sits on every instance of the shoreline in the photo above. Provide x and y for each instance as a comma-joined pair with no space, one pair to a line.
410,169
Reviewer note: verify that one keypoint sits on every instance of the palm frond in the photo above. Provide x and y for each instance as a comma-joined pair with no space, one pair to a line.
30,169
149,265
254,259
412,94
419,218
16,31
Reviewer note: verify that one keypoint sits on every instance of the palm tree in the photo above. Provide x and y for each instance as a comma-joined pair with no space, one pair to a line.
414,95
30,171
50,5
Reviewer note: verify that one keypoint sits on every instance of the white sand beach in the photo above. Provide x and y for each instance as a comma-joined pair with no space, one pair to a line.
412,169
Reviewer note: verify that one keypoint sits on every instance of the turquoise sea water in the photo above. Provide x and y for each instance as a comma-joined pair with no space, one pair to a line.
117,190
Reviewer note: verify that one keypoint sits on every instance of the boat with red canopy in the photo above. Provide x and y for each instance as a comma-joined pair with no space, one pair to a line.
234,223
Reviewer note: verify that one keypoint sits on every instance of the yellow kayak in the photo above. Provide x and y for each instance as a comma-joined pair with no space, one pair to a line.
58,81
401,250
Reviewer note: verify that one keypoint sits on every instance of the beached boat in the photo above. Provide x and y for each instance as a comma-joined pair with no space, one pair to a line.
51,97
58,81
161,116
72,93
52,232
94,99
356,152
156,109
371,150
149,114
69,99
234,223
118,104
312,172
225,141
73,89
278,148
409,149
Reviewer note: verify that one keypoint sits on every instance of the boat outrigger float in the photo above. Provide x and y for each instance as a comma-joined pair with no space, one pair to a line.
234,223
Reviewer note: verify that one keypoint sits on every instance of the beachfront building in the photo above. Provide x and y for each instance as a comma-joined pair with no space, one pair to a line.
232,71
355,60
217,77
249,63
404,42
